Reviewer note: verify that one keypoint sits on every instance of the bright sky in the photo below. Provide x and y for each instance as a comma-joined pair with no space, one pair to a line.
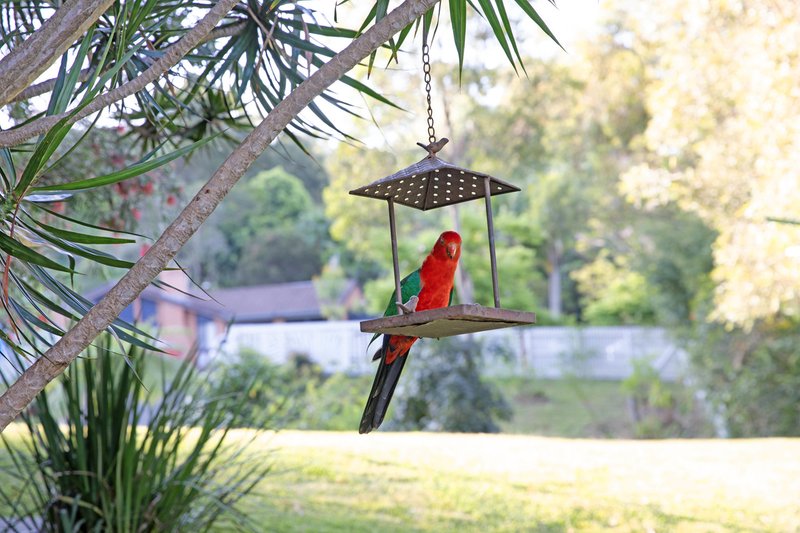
571,21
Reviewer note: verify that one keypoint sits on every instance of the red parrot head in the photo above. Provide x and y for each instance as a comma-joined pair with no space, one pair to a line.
448,246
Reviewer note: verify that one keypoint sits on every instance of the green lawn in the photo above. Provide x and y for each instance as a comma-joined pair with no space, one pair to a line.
342,481
328,481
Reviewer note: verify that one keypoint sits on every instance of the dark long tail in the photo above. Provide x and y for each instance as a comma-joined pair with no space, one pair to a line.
382,388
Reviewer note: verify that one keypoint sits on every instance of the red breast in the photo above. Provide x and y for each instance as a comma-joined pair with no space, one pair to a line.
438,270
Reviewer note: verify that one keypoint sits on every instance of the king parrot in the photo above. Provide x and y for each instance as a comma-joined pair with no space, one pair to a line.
432,285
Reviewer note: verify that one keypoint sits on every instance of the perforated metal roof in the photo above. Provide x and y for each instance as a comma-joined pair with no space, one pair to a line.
433,183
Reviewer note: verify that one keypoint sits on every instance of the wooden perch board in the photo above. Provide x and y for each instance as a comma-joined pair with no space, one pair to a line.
449,321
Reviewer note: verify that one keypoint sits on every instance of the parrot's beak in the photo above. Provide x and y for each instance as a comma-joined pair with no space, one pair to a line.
452,248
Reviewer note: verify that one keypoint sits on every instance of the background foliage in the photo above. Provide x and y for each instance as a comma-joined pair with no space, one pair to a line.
444,390
296,394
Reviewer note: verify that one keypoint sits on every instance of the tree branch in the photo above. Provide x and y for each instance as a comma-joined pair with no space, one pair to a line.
229,30
26,62
57,358
169,59
47,86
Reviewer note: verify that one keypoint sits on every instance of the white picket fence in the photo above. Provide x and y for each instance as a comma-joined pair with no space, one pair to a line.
547,352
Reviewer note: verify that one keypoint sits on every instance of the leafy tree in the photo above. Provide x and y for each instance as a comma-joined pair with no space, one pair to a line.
617,294
445,391
274,392
560,207
590,140
183,71
672,250
718,146
330,285
660,409
752,379
274,242
272,232
124,205
721,143
296,394
301,161
360,225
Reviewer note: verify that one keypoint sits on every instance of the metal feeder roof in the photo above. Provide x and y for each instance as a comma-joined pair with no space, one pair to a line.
433,183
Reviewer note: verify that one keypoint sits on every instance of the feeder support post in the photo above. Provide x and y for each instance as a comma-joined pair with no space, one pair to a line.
395,261
487,182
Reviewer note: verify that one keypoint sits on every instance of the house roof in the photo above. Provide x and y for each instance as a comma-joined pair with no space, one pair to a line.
296,300
192,299
293,301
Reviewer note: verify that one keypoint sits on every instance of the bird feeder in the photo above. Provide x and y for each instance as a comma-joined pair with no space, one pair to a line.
430,184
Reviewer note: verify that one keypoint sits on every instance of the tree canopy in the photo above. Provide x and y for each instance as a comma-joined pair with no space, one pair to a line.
723,143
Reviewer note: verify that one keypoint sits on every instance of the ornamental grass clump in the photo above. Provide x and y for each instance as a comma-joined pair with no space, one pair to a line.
128,444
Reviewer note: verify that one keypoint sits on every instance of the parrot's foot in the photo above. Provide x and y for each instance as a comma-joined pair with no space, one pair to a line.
409,307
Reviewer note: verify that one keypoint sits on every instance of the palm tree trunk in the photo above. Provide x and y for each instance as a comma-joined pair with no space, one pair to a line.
169,58
28,61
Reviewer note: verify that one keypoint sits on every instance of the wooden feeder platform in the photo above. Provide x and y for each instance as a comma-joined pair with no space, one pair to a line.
449,321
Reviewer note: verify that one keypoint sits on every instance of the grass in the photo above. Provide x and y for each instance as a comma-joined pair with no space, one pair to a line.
566,408
341,481
447,482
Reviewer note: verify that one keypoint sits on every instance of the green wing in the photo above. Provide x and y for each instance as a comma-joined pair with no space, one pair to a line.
409,286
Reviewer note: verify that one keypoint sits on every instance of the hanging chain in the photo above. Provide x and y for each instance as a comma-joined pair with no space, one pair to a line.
426,69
